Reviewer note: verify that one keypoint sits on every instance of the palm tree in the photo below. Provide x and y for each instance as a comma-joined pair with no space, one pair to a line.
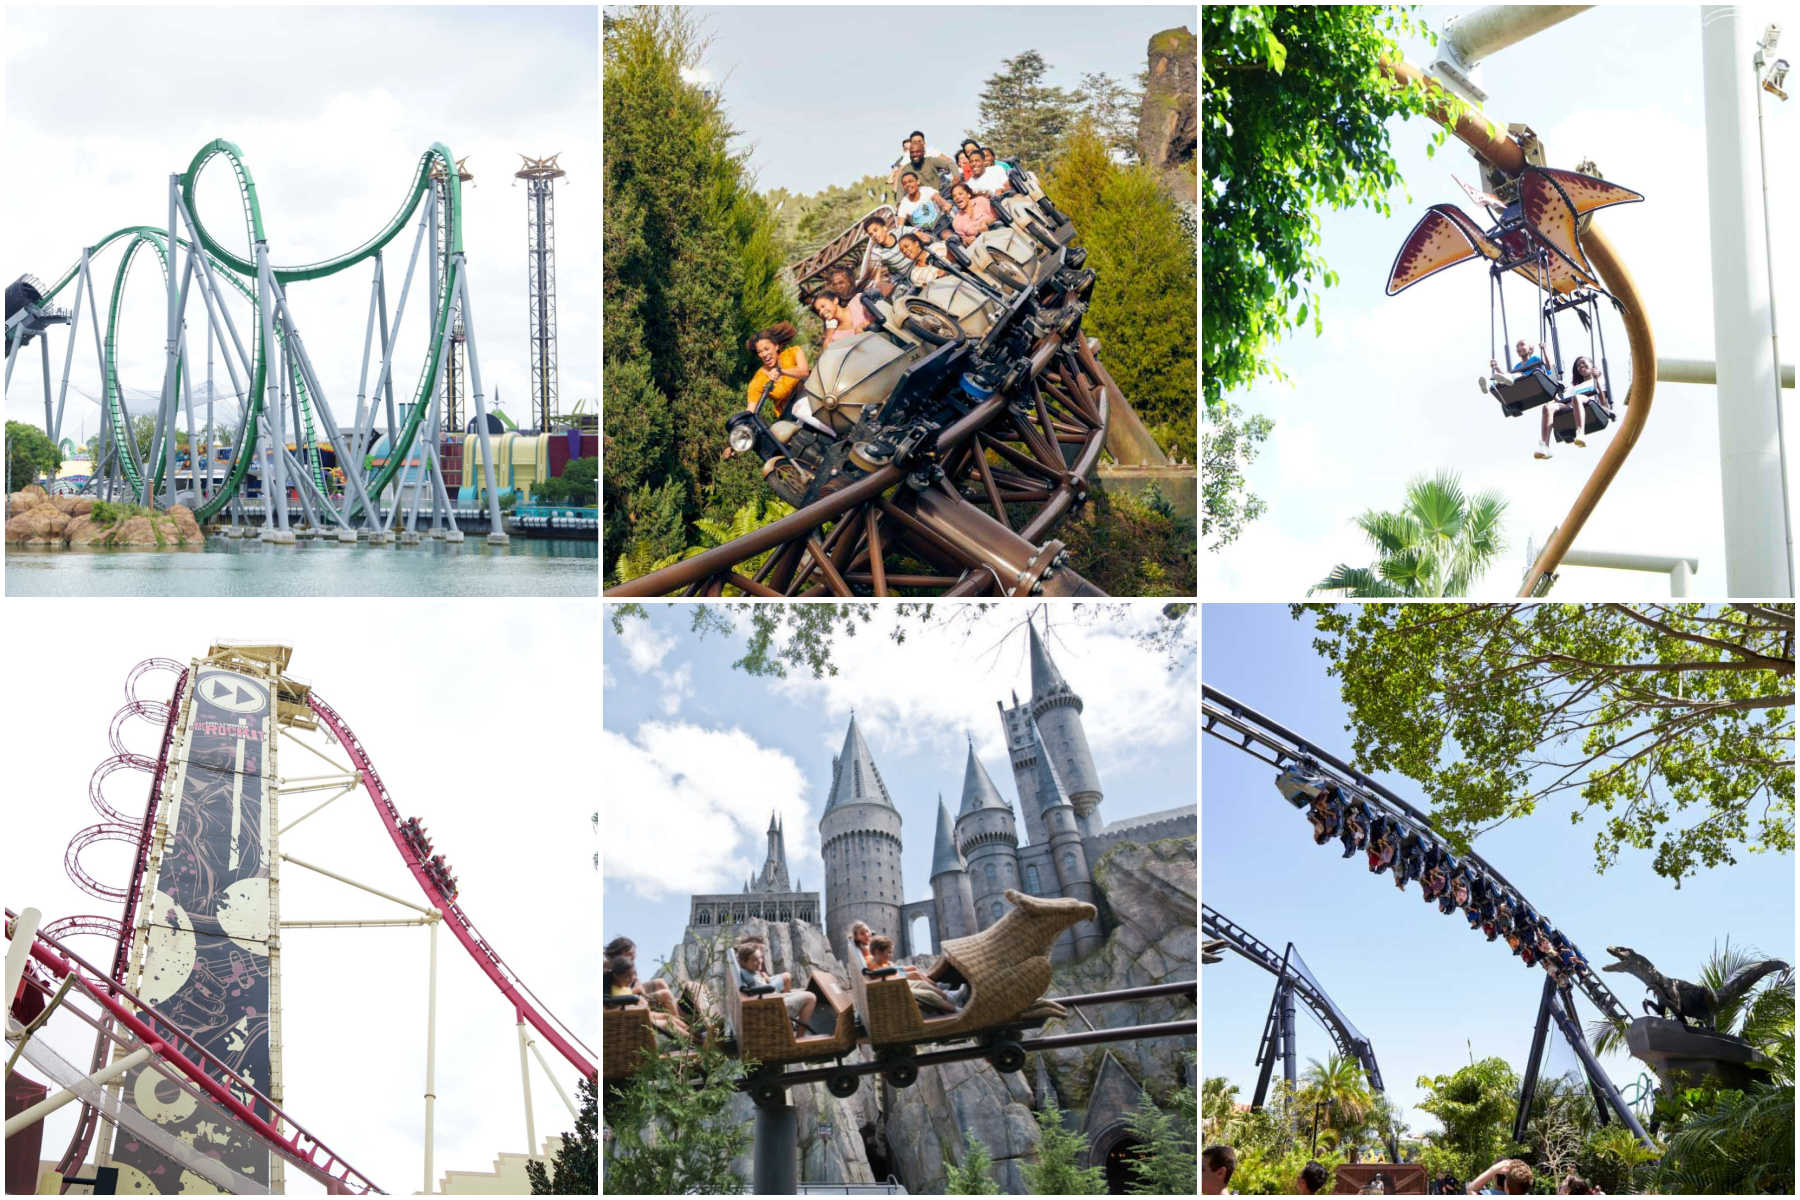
1438,544
1218,1099
1338,1083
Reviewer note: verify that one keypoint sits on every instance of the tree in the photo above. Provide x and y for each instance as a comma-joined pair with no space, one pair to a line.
1438,544
1218,1101
672,1132
576,1168
692,271
1338,1084
576,485
1022,117
1112,108
29,455
1294,110
1645,711
1229,442
1475,1106
1142,309
974,1177
1166,1165
1056,1170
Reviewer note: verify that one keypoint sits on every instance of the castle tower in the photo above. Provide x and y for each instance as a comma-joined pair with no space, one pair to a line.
774,874
1058,712
950,890
859,838
1022,749
1067,856
987,835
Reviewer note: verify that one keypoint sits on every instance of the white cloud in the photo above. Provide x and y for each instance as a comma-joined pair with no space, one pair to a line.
644,646
678,685
698,76
688,806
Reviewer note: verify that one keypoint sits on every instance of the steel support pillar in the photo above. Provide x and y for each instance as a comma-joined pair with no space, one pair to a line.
1528,1089
1288,1057
1597,1077
430,1056
775,1169
531,1142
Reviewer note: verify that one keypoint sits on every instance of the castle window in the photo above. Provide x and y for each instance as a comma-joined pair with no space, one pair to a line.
1069,861
998,909
990,873
1031,880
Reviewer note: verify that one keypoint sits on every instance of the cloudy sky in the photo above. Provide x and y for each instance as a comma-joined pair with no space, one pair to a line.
1426,991
784,121
694,746
475,739
332,108
1388,393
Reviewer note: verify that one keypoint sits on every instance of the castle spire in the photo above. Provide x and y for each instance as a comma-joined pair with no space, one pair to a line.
1045,678
978,790
944,854
854,777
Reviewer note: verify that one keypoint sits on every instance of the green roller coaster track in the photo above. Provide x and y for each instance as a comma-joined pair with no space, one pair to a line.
436,166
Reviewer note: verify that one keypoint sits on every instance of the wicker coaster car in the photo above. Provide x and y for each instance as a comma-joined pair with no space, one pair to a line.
1007,969
627,1036
765,1034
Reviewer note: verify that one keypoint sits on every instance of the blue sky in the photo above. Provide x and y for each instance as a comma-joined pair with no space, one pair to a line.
1388,392
697,754
1425,990
769,61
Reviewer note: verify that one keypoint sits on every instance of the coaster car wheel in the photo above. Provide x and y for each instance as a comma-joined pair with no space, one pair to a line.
843,1084
1007,1056
1008,273
767,1092
929,323
901,1074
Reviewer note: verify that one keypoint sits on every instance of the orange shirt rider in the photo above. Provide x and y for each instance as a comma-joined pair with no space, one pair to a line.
789,367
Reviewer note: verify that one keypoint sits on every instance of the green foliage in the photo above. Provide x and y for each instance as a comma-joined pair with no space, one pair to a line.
576,485
974,1175
1022,117
1338,1085
804,223
1294,112
576,1169
1055,1170
1614,1161
1229,442
1438,544
1142,309
1167,1165
1273,1143
1218,1100
692,271
1113,108
1647,712
111,512
30,454
670,1128
1131,546
1475,1106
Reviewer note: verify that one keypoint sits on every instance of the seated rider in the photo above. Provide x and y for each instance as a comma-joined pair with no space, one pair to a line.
750,974
916,157
1356,828
922,271
990,177
656,991
783,367
1325,814
621,980
974,214
1382,851
1584,381
886,249
922,207
881,954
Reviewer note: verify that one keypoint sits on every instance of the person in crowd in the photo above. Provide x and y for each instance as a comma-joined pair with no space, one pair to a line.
783,366
963,167
915,156
841,282
1381,852
839,319
1324,815
1217,1164
800,1002
973,215
620,979
987,155
922,207
656,991
859,942
1584,381
895,266
1312,1180
1574,1185
989,177
1515,1175
924,988
923,271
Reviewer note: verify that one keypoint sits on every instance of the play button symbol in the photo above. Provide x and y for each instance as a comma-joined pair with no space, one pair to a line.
233,693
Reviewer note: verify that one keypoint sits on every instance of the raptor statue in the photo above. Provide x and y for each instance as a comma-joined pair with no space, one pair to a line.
1686,1001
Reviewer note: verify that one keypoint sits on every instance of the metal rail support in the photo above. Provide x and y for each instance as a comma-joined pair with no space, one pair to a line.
430,1057
775,1166
531,1142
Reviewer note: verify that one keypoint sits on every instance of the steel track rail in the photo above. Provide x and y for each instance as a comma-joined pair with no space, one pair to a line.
1242,727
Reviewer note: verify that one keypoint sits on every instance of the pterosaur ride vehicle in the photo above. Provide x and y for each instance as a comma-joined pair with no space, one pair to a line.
1536,236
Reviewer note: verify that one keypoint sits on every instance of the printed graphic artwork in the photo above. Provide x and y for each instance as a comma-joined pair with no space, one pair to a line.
206,958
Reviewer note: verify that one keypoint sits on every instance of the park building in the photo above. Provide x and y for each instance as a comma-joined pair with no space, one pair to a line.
767,895
1047,846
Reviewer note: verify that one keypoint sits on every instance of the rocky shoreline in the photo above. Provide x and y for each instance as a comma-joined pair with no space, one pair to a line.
36,519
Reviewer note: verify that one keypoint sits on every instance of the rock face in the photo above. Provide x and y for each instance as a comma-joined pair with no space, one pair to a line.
34,518
1150,895
1168,121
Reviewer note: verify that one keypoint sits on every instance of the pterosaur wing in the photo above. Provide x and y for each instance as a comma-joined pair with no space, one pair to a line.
1443,237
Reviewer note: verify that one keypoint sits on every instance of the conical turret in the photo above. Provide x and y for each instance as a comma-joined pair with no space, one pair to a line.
978,790
1045,678
854,777
859,839
1057,711
951,892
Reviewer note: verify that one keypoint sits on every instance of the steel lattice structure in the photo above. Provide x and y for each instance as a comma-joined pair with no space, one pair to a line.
540,176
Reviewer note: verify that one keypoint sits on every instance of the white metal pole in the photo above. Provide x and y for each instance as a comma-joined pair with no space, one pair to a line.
1678,578
1756,518
1762,164
531,1146
26,1118
430,1055
18,949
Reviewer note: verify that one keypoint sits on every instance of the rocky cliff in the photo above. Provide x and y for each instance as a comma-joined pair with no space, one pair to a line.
35,518
1168,121
1149,892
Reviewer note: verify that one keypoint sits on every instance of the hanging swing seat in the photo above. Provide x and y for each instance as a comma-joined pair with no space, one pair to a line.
1598,416
1528,391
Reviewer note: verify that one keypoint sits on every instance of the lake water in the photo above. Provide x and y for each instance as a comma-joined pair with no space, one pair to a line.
230,567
